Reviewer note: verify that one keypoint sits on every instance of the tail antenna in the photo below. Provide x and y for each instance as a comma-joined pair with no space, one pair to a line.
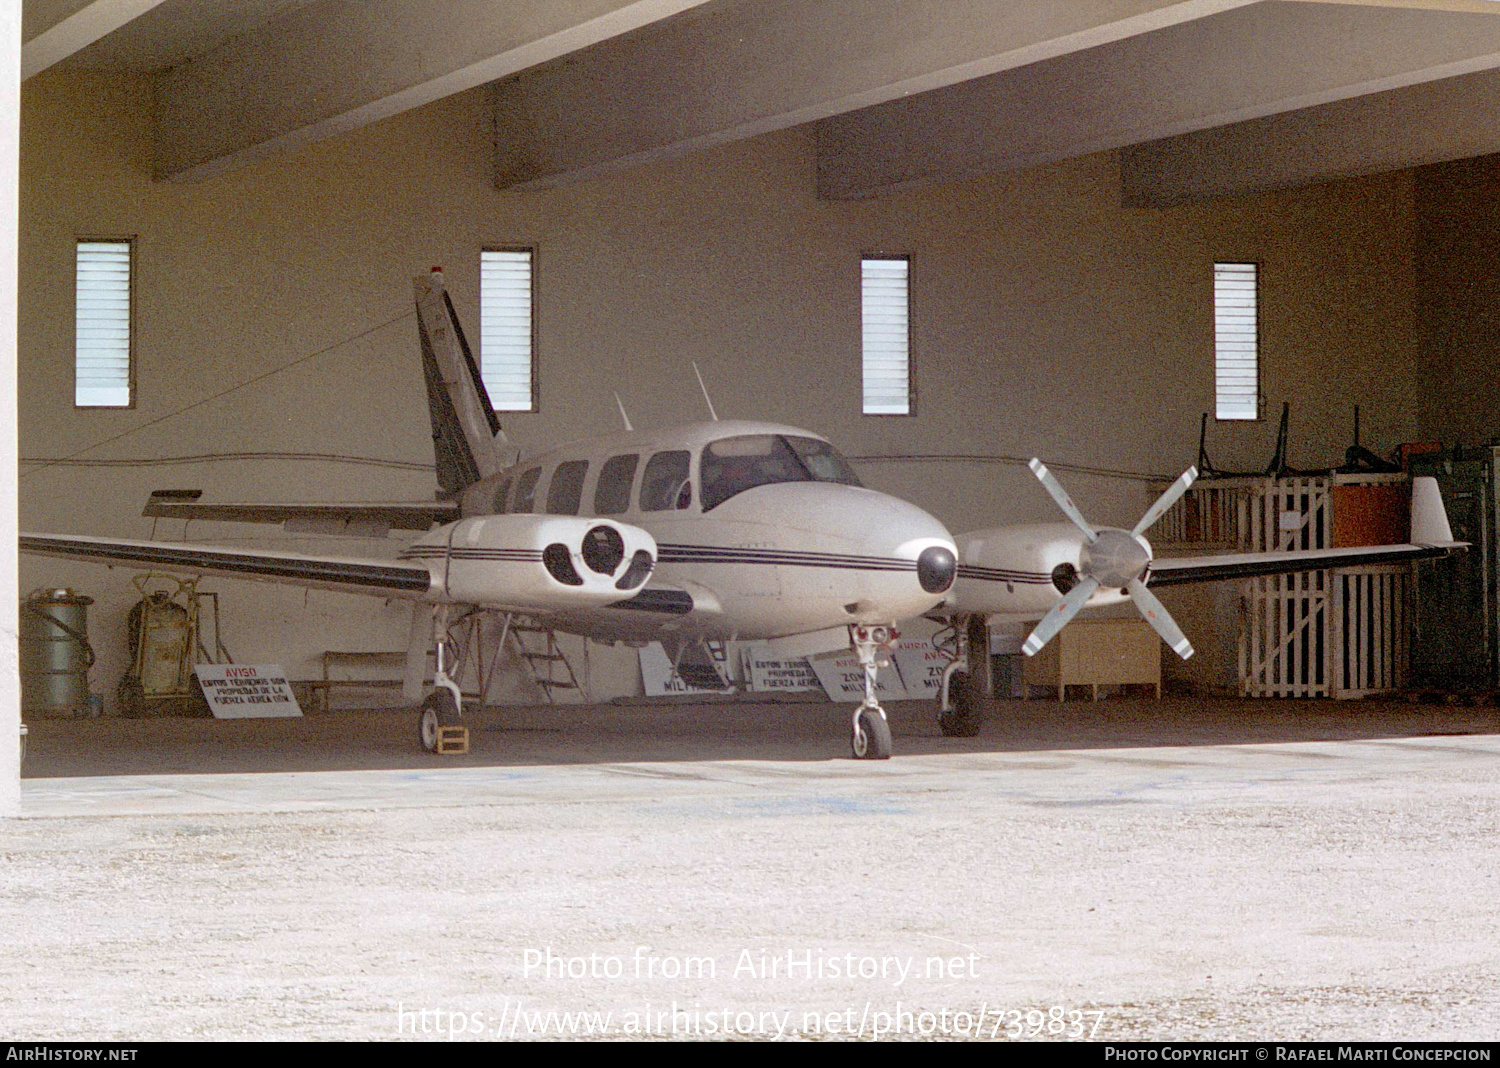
621,404
706,398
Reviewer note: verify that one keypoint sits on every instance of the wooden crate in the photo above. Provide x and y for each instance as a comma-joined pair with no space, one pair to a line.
1337,633
1098,652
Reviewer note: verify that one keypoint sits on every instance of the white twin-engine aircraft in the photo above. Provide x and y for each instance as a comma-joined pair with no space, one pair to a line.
711,531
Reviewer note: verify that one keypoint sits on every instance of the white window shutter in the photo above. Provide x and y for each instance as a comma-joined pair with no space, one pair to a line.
886,319
1236,341
101,325
505,350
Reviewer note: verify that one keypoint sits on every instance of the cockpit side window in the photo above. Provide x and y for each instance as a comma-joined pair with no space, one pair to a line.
501,493
733,465
612,494
665,484
565,492
526,491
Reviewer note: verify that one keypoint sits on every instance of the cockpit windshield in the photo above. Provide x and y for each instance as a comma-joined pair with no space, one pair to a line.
733,465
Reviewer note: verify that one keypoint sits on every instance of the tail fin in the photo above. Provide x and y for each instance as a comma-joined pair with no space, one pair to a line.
1429,519
467,441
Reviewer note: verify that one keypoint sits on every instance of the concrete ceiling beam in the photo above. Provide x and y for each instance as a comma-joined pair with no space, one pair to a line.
54,29
337,65
735,69
1457,118
1230,67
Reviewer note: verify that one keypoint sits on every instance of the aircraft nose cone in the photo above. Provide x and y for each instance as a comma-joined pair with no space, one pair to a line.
936,569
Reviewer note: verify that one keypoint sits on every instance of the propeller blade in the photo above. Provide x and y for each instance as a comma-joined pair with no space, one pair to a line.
1059,615
1064,502
1161,621
1165,501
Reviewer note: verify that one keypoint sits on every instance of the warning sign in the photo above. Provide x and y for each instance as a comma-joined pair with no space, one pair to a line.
246,691
772,675
659,680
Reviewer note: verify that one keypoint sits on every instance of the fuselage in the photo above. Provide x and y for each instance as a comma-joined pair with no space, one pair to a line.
762,531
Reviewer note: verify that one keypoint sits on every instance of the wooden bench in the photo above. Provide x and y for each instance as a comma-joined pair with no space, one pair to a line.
318,689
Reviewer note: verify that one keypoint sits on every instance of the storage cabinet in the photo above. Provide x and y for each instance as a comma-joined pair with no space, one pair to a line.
1458,600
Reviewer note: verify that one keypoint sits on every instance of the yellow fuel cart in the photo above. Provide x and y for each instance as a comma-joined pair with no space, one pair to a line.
165,643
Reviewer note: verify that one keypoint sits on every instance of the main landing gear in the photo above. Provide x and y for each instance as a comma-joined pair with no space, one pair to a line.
872,732
962,709
443,708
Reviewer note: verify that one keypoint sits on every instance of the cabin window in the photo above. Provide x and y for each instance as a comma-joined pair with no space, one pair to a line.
734,465
665,484
612,494
565,492
526,491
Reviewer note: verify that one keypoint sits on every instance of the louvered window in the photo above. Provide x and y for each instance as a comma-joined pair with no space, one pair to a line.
506,356
1236,341
885,316
101,325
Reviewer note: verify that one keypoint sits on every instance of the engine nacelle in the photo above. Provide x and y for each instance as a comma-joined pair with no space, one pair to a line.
535,563
1019,571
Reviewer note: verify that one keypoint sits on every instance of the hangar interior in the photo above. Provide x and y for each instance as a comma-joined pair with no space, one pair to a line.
698,182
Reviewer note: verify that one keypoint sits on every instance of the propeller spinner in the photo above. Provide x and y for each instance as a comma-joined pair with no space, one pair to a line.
1112,558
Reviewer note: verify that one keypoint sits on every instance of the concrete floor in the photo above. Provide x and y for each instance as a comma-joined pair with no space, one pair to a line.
1131,869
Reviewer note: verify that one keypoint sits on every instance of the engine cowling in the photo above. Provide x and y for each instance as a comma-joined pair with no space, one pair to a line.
531,563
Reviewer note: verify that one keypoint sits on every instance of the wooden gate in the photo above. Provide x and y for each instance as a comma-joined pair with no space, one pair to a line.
1284,647
1372,619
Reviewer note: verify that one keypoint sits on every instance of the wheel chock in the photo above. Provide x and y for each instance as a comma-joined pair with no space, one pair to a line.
453,741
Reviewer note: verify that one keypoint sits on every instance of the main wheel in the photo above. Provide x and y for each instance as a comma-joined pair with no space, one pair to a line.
438,710
967,699
872,737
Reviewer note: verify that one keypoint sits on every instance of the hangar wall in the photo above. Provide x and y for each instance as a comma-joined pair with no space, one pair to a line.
1048,320
1458,299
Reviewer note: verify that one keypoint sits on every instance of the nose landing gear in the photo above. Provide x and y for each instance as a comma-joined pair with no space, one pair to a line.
872,731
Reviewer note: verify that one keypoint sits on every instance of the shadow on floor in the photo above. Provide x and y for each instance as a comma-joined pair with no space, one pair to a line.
812,731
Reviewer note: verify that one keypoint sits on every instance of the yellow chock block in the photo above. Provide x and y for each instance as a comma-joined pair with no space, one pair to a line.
453,741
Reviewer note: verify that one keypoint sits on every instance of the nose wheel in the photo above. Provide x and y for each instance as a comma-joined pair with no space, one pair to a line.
872,731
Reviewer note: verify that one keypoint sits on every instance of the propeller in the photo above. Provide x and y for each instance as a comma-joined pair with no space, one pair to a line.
1113,559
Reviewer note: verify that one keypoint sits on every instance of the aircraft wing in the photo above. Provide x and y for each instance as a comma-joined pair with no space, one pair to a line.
386,578
1174,571
370,519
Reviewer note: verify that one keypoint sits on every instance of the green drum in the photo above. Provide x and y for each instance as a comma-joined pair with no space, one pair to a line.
55,654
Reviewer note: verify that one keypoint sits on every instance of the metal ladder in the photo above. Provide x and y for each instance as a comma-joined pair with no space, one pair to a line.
537,648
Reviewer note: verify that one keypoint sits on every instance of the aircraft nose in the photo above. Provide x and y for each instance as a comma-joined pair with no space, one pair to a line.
936,569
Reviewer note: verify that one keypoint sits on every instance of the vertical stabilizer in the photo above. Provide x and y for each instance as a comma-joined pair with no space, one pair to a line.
467,441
